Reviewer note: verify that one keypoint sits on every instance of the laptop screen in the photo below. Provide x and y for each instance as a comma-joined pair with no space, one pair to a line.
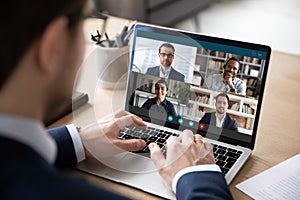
212,86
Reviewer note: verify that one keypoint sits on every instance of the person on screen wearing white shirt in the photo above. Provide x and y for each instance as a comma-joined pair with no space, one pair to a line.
228,80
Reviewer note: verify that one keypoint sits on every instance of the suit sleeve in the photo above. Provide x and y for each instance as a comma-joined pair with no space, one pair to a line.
172,111
203,185
146,104
148,71
66,155
235,126
151,71
205,119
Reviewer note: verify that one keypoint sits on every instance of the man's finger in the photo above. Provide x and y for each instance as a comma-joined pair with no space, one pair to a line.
156,155
108,118
121,113
131,145
187,137
198,139
125,121
137,121
172,139
205,150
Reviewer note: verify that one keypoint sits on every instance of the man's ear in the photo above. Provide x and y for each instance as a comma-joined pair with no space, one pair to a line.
51,44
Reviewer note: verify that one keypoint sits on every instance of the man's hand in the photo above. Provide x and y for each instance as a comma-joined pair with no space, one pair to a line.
184,151
228,80
100,139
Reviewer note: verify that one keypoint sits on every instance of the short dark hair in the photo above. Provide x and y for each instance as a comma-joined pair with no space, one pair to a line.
23,21
163,81
222,95
234,59
167,45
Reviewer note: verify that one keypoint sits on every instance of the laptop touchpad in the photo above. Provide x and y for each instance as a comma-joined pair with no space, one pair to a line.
129,163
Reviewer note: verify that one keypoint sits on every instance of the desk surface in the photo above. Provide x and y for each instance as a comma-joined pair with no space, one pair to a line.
278,133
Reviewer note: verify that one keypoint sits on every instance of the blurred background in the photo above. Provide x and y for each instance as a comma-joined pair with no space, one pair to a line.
272,22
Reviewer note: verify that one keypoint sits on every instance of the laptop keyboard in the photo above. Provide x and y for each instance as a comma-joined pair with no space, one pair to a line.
225,156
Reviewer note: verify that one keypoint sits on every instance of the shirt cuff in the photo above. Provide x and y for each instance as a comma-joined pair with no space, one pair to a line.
197,168
79,150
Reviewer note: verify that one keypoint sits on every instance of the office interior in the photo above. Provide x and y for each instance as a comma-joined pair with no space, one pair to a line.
266,22
271,22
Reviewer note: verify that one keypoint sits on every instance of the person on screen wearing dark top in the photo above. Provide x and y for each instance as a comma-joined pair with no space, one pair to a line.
228,80
166,56
220,118
38,68
160,103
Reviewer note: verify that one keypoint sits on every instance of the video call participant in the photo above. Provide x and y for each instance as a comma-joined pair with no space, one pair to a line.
227,82
37,72
220,118
165,70
160,103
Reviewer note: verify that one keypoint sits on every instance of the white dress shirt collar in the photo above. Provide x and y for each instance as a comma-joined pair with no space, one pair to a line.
167,72
29,132
219,123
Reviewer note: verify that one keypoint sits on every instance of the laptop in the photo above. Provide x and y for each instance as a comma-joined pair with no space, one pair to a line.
197,57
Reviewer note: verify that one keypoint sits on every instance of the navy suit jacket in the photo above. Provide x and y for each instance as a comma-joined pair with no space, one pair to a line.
165,107
175,75
26,175
203,185
229,123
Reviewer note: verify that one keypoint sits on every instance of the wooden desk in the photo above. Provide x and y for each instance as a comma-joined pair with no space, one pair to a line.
278,136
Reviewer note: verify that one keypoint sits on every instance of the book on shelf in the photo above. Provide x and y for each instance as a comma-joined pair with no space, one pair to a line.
218,54
241,121
248,59
254,83
214,53
248,123
249,110
254,72
251,82
196,78
249,92
203,99
255,60
197,98
246,69
235,106
246,109
200,114
214,64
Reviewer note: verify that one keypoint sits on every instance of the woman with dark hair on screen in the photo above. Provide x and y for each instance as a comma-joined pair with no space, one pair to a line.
160,103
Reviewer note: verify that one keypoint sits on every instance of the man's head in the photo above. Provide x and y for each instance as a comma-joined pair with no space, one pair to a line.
222,103
25,22
166,54
161,89
231,67
42,49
